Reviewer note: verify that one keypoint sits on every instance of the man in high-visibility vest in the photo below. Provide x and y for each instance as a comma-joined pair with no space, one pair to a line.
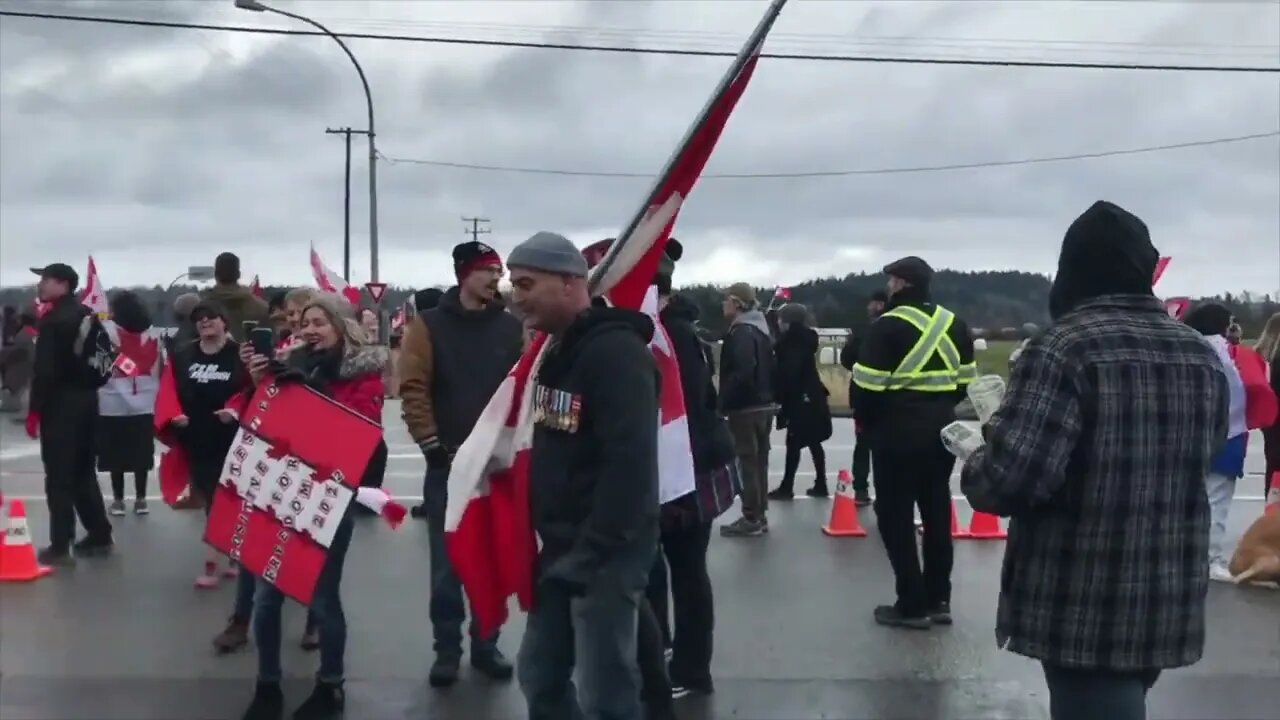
914,365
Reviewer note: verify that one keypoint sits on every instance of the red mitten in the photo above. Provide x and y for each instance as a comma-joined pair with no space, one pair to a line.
33,425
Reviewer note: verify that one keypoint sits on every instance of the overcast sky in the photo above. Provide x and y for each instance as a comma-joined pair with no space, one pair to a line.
154,149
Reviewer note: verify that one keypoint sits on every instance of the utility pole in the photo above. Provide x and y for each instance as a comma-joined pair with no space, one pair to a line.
474,231
346,202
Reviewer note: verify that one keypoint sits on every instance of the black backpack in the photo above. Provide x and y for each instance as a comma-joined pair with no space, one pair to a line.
95,355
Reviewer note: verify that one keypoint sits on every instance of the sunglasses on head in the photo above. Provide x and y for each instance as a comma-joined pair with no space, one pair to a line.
202,316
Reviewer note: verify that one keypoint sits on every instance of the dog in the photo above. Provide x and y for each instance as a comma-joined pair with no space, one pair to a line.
1257,558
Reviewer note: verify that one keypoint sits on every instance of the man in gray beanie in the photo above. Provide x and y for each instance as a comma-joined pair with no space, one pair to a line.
593,487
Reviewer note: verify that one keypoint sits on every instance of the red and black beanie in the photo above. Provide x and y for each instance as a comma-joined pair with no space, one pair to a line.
471,256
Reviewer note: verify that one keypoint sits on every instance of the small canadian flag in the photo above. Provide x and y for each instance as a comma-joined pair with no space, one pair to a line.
782,293
125,366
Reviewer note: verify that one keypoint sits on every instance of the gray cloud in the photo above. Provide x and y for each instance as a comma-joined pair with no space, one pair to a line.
172,145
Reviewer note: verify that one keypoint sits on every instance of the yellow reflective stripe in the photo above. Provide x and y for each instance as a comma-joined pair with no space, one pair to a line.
870,378
931,382
967,373
915,316
927,344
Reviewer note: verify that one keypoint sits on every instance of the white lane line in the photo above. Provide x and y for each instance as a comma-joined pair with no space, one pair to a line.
19,453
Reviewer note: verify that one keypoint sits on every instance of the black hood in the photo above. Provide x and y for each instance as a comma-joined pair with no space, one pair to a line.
678,308
800,337
451,302
1106,251
607,319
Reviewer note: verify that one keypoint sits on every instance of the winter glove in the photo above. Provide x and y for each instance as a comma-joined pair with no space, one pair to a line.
437,455
33,425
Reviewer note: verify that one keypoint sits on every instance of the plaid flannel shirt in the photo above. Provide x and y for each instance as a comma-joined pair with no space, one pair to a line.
1098,455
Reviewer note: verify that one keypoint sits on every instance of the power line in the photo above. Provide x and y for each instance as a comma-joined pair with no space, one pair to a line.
845,173
649,51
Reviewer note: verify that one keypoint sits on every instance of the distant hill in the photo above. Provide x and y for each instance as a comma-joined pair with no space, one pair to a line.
991,301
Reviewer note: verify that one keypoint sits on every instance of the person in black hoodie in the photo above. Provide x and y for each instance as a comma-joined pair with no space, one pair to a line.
63,413
208,373
802,398
593,488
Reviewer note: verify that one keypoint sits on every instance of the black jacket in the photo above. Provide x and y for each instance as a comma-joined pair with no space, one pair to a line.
906,419
709,447
746,365
802,398
594,461
54,384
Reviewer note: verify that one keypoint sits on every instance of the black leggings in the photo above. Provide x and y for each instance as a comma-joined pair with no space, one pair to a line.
792,463
139,485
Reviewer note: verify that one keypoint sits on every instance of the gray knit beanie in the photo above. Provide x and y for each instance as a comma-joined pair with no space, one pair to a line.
549,252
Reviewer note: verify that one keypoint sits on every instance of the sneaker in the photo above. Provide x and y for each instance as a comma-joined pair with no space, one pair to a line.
940,614
679,691
209,578
818,491
326,702
444,671
782,492
94,547
55,557
1218,572
889,616
418,512
231,572
492,664
233,637
267,703
140,507
743,527
861,498
116,508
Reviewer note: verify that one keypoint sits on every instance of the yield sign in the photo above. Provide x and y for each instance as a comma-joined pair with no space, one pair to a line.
376,290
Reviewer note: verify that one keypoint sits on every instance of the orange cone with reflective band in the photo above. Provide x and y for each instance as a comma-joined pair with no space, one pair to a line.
985,526
956,530
844,511
17,555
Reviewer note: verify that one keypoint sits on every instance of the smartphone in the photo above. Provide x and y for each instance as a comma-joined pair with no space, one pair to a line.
249,326
262,340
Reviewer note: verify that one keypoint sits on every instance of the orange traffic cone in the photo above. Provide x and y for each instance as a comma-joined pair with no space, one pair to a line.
844,512
985,526
17,555
956,530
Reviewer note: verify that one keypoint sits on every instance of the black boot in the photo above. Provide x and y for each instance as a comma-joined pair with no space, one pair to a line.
819,489
492,664
784,491
326,702
94,546
444,671
267,703
55,557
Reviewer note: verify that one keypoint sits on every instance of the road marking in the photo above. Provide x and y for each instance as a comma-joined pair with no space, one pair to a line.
19,453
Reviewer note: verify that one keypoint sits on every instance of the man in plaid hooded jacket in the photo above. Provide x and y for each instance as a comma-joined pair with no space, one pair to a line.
1098,455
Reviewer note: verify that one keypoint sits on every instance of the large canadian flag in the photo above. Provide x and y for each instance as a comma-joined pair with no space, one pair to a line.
94,296
489,530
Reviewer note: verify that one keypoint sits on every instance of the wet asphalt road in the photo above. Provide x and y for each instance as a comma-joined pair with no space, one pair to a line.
128,636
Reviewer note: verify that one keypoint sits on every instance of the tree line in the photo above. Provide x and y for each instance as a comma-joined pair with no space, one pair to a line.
998,302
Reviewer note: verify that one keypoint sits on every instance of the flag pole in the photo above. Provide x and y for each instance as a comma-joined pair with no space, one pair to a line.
749,49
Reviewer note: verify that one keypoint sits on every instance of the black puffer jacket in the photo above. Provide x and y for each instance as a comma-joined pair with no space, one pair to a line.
802,398
594,462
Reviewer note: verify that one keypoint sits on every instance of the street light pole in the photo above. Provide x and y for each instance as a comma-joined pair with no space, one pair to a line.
255,6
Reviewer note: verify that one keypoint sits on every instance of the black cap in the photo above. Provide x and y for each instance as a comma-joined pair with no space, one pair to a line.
879,296
912,269
59,271
205,308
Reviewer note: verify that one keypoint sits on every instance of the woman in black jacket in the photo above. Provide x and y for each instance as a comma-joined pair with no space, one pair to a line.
1269,348
686,521
802,398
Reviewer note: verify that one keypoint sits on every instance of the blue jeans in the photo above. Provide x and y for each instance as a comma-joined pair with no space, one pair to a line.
448,608
326,605
242,612
594,633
